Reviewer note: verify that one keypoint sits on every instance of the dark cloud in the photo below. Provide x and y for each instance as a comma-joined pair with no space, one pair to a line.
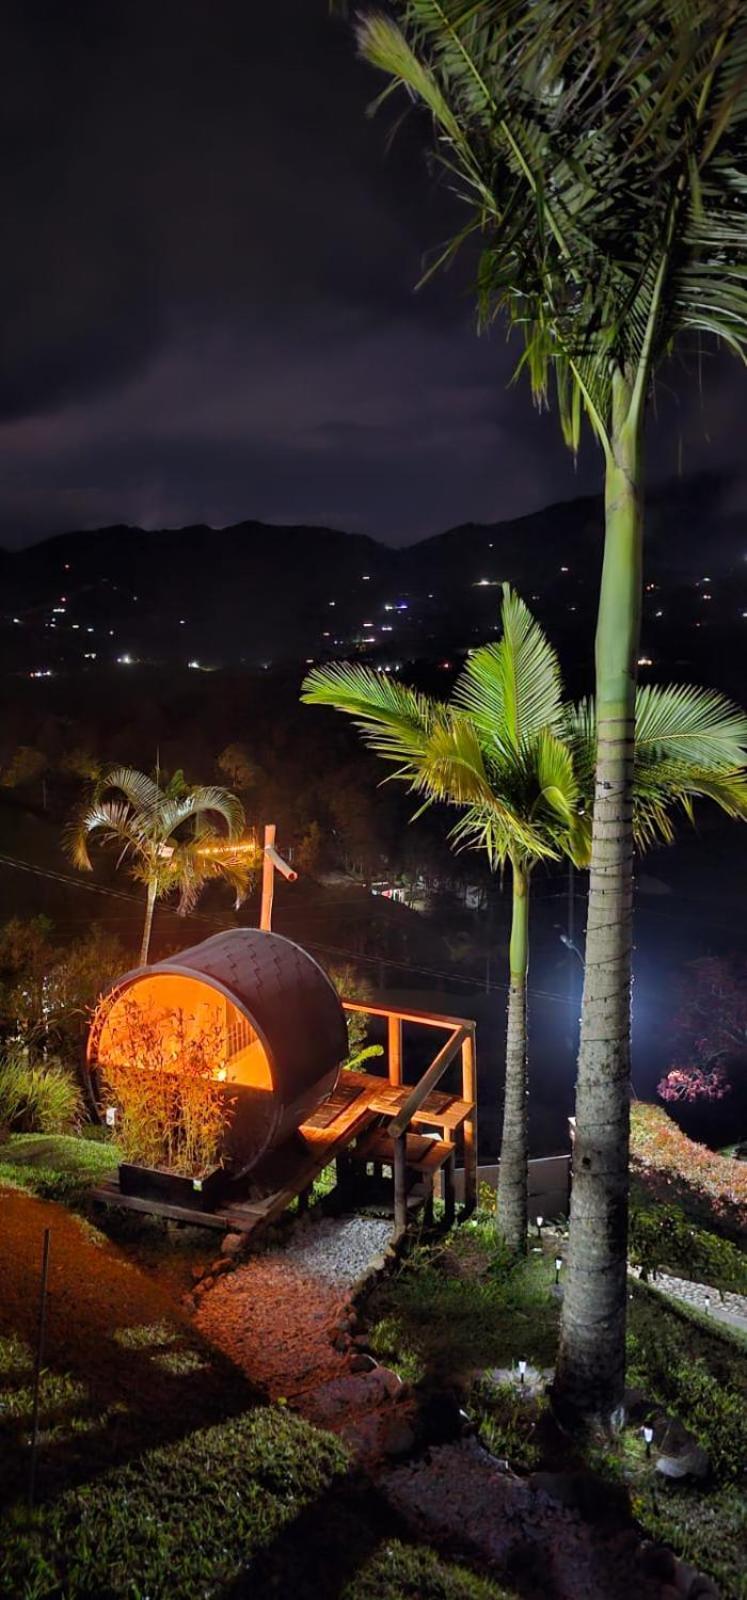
206,291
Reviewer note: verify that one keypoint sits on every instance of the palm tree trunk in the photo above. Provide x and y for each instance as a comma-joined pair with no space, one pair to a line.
512,1172
591,1359
149,909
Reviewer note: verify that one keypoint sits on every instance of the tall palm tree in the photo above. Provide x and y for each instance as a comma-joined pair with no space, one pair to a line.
520,766
600,150
174,837
495,751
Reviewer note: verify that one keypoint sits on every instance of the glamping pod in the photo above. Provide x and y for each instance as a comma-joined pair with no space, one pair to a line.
273,1018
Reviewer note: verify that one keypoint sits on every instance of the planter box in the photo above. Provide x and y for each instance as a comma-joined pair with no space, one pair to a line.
154,1183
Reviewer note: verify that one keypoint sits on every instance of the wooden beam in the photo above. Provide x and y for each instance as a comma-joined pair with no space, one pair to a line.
469,1126
428,1081
429,1019
400,1183
394,1049
268,878
449,1192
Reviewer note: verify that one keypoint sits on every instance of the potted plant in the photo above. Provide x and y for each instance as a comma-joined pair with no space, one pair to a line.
165,1077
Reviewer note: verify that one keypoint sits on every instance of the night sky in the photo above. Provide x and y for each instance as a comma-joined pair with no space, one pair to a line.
206,289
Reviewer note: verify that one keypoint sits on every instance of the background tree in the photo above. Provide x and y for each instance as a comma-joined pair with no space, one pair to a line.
707,1088
495,752
174,838
601,152
237,767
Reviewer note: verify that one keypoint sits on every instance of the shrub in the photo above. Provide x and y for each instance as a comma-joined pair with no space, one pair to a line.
36,1099
672,1167
694,1374
662,1237
163,1071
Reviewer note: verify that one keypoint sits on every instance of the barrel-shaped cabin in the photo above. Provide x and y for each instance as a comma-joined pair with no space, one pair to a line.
274,1018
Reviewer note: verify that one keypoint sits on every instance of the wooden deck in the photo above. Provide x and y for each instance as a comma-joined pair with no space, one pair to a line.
385,1109
356,1105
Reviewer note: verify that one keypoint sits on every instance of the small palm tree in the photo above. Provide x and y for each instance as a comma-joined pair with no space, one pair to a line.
173,837
600,154
496,751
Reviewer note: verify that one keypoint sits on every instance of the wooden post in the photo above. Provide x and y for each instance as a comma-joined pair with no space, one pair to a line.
394,1051
469,1130
449,1191
268,879
400,1183
38,1364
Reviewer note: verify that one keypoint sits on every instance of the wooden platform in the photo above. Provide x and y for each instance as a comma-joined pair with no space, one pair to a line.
357,1104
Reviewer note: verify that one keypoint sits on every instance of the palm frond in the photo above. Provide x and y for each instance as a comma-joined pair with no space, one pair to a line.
139,791
690,724
512,689
601,151
395,721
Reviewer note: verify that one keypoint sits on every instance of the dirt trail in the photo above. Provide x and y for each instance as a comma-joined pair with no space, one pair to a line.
274,1316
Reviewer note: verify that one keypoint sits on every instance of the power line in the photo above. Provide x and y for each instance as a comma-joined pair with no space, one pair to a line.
213,921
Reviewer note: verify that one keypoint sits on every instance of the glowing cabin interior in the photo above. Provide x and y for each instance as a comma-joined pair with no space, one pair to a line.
164,997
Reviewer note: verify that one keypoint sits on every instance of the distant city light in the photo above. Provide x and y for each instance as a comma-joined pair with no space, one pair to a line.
387,607
16,619
89,655
41,672
333,602
661,613
182,622
564,569
124,661
368,624
645,661
195,665
366,578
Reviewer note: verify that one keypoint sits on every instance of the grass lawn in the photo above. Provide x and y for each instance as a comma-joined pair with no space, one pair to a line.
56,1166
161,1472
455,1312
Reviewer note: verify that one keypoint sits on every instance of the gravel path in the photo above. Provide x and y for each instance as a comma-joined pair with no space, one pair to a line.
726,1307
273,1315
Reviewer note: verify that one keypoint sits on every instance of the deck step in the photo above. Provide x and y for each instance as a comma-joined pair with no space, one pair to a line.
446,1112
422,1155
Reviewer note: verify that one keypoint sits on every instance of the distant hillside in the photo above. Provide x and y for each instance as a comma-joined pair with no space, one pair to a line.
259,595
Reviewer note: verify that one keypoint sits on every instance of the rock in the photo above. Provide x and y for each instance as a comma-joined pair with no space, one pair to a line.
232,1244
397,1437
562,1487
692,1463
356,1392
691,1584
657,1562
361,1362
223,1264
189,1302
197,1274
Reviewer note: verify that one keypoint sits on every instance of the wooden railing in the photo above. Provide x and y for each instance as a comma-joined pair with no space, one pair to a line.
461,1040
